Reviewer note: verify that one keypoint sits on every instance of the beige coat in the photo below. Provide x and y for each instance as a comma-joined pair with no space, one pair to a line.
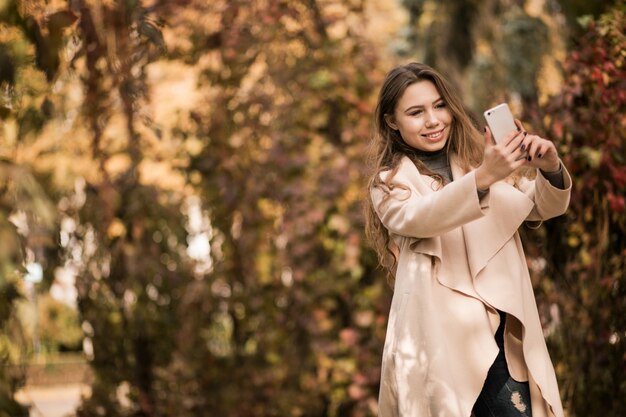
460,259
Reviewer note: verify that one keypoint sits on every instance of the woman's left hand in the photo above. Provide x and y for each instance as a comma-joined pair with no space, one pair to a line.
540,153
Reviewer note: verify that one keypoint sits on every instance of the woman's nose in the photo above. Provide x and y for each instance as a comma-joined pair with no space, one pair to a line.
431,119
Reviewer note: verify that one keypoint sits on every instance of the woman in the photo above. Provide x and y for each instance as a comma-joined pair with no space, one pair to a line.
464,336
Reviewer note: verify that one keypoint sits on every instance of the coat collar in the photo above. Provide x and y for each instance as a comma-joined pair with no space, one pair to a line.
484,237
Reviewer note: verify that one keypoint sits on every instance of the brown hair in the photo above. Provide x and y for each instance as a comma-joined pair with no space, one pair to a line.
387,148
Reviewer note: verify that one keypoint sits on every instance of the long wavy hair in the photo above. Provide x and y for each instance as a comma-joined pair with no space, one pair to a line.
465,143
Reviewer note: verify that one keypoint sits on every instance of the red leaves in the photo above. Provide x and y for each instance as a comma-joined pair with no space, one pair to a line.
598,76
619,175
349,336
588,250
617,202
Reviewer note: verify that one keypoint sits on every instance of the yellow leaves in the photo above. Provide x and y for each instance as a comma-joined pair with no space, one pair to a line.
8,134
161,175
188,116
251,346
193,146
195,177
264,262
116,229
320,79
344,243
27,194
573,241
343,369
11,34
174,90
578,237
237,139
272,358
58,324
295,50
317,149
271,209
117,164
218,336
257,70
239,310
338,30
585,258
592,155
339,223
265,258
115,317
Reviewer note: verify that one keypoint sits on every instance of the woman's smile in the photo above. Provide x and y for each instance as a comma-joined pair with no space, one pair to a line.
434,136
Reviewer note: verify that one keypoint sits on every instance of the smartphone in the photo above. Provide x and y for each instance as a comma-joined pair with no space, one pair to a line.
500,121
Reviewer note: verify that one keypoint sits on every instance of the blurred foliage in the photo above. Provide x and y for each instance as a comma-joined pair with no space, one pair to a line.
574,10
291,316
27,215
198,168
10,292
587,249
58,326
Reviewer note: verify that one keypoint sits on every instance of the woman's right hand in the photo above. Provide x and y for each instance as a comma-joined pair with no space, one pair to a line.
501,159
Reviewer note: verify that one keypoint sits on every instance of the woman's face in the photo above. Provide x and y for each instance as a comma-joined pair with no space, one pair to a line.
422,117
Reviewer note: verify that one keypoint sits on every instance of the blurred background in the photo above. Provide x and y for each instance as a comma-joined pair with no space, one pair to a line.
181,228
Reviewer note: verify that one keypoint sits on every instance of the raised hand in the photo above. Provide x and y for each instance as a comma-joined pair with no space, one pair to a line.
501,159
540,153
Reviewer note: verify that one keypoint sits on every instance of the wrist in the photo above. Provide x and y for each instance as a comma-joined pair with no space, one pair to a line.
483,179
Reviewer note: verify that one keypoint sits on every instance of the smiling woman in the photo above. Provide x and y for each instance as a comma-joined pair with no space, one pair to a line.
421,117
464,336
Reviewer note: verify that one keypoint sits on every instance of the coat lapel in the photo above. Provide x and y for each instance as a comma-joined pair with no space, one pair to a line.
484,237
424,185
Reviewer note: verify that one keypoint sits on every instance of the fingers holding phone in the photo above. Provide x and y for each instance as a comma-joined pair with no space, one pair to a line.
504,127
507,132
542,153
512,147
500,159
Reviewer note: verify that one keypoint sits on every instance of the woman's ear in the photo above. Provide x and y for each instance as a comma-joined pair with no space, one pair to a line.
391,121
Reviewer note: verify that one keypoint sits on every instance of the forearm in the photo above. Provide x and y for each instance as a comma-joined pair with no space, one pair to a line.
550,199
434,214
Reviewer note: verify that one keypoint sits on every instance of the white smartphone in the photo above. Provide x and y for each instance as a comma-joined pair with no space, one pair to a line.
500,121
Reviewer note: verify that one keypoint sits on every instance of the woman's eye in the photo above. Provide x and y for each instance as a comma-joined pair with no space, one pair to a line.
440,105
416,113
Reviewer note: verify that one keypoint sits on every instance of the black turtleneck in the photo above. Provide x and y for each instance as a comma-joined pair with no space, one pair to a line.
439,163
436,161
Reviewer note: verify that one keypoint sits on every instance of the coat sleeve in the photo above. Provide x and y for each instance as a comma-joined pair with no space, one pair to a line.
549,200
406,212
